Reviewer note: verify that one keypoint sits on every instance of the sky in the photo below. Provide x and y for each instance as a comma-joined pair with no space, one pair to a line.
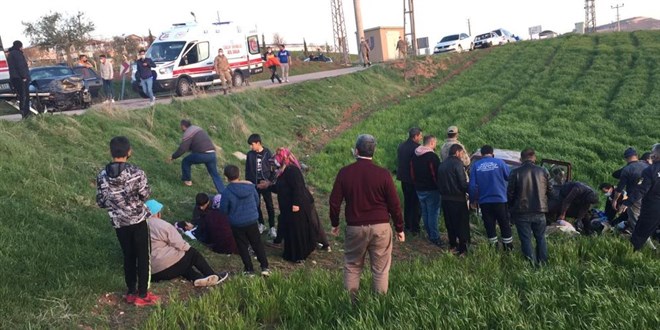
311,19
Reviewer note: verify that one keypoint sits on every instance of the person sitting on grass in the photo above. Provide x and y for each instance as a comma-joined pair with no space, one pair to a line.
172,257
215,224
239,201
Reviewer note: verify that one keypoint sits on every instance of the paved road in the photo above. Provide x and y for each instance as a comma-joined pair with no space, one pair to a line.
134,104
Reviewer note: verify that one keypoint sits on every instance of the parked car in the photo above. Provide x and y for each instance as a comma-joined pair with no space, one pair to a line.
318,58
547,34
454,42
486,40
505,36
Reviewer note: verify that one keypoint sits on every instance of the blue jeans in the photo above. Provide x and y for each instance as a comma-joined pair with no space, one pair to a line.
147,87
429,204
107,88
528,224
211,163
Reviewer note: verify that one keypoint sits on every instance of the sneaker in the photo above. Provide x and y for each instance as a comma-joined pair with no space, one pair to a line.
106,101
142,302
206,281
112,100
248,273
188,183
273,232
265,272
286,80
222,276
262,228
130,298
152,297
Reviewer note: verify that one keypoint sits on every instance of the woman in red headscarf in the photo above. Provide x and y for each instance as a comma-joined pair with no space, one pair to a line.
299,221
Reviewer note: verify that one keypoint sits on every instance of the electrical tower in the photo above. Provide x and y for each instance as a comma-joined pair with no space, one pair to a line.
409,25
589,16
339,30
618,18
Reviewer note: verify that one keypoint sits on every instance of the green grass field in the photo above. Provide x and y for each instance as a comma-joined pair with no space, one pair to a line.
578,98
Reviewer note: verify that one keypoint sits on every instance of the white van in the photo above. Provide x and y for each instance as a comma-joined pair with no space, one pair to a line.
184,55
4,73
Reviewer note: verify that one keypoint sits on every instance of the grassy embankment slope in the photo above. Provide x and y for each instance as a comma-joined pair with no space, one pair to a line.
579,98
59,254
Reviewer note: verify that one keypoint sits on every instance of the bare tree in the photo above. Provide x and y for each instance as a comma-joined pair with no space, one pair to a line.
54,30
277,39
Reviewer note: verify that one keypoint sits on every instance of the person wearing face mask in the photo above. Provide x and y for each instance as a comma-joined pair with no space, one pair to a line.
272,62
144,65
221,66
610,212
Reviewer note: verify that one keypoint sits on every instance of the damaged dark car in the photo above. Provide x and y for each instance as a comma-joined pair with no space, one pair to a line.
58,88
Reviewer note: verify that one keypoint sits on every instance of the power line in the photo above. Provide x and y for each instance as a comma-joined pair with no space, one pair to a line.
339,30
589,16
409,29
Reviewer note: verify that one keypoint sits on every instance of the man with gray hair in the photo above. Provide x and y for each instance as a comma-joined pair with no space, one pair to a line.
648,191
371,199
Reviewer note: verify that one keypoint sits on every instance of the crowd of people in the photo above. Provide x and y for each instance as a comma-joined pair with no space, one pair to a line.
231,221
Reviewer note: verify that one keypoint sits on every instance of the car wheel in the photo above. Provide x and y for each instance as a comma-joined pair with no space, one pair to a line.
184,87
237,79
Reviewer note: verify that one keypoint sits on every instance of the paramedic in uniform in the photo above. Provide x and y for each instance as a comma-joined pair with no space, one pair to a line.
221,66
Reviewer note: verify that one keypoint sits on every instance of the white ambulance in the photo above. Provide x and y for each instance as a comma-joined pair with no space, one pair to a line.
184,55
4,73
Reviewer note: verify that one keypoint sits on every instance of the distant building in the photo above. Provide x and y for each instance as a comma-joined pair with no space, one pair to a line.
627,25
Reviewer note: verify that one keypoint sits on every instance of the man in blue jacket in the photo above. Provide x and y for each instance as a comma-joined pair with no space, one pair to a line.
488,183
144,65
239,202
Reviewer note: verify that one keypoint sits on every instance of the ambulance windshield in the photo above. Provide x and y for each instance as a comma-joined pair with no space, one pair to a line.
165,51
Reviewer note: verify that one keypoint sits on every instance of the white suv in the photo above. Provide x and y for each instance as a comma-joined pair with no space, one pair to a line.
4,74
455,42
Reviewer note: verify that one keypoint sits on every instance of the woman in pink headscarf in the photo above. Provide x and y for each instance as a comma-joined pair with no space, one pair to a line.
299,221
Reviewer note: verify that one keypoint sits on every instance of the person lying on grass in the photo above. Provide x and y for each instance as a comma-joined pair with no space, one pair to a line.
172,257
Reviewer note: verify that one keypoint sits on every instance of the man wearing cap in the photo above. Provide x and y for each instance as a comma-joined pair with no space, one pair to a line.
630,175
172,257
405,153
648,191
19,76
452,138
371,200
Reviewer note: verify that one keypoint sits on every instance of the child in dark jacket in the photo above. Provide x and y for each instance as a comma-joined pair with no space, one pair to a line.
239,201
257,170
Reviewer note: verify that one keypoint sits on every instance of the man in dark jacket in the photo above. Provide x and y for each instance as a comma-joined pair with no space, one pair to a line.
648,191
257,170
630,175
405,152
528,191
19,76
576,200
453,186
202,151
423,168
144,66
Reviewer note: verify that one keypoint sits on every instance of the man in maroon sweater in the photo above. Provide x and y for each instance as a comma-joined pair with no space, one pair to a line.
371,199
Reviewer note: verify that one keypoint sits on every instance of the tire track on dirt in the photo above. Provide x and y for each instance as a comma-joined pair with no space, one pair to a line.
623,75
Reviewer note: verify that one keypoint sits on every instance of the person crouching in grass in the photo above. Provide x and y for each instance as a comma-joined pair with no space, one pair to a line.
240,201
122,189
172,257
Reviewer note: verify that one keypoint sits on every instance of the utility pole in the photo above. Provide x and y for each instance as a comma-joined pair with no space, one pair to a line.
618,20
339,30
358,22
469,28
409,29
589,16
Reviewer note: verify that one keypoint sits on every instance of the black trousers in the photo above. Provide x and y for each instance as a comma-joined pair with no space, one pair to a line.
136,247
411,212
268,200
648,222
496,213
249,236
22,94
190,266
273,76
457,220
